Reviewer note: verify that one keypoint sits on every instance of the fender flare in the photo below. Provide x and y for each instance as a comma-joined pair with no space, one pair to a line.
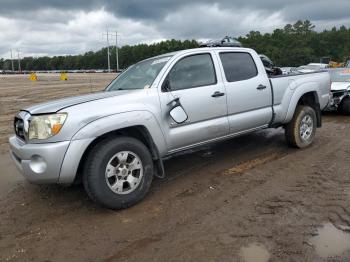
310,87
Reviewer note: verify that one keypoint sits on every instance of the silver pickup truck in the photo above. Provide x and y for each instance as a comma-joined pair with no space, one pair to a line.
115,141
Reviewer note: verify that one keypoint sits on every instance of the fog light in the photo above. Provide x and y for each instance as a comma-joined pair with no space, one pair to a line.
37,164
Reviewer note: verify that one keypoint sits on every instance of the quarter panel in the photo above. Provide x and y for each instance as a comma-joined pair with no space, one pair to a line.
289,89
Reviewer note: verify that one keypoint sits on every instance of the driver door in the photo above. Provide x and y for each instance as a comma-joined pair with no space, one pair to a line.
195,81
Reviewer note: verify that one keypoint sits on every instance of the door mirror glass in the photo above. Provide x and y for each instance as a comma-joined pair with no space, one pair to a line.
178,114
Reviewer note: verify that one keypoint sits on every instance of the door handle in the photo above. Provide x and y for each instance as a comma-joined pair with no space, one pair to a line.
261,87
217,94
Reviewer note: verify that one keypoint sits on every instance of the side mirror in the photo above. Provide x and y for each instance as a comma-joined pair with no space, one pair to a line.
178,114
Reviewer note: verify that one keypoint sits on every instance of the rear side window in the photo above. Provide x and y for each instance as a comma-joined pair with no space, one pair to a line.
238,66
192,71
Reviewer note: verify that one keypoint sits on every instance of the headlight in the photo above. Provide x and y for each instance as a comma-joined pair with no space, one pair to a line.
45,126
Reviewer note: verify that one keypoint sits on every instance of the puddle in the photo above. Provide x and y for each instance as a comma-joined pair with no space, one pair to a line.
330,241
255,253
9,175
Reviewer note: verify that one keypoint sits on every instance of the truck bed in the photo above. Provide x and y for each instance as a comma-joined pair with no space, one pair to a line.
285,86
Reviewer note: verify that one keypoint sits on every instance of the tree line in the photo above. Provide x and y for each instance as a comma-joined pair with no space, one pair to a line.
300,44
294,45
128,55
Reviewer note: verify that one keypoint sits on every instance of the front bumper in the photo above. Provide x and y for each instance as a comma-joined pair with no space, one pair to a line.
39,163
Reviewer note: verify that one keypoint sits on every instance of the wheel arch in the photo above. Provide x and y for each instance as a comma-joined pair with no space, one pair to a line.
141,125
140,133
307,97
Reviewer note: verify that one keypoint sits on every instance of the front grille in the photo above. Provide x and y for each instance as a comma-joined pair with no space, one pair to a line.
19,127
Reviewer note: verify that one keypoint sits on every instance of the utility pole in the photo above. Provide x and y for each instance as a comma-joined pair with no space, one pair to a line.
108,35
108,58
13,69
116,50
19,62
109,62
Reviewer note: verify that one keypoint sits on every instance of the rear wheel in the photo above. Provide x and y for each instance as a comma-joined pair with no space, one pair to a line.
300,132
344,107
118,172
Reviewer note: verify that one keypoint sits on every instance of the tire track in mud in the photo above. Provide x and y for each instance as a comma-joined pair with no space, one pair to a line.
316,197
283,219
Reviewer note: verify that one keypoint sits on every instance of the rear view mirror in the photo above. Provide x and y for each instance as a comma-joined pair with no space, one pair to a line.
178,114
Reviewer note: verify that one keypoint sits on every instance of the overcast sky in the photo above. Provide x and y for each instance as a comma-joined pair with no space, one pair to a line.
53,27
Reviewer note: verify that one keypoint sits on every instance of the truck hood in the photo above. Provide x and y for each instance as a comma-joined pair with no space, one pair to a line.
57,105
338,86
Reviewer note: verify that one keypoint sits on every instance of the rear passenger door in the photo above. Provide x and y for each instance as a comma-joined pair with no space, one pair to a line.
249,95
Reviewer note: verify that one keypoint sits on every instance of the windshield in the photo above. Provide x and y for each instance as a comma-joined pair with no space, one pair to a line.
140,75
340,75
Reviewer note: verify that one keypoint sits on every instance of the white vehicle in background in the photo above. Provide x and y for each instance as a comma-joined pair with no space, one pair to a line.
287,70
340,89
312,67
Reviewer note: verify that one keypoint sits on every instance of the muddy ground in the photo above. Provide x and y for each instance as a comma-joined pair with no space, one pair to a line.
18,92
251,198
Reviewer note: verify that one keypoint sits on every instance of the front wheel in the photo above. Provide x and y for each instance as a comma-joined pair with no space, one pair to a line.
300,132
118,172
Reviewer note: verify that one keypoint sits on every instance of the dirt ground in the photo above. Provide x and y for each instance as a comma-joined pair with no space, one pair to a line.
18,92
249,199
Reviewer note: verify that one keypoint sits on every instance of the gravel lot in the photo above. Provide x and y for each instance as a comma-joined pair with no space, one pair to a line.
251,198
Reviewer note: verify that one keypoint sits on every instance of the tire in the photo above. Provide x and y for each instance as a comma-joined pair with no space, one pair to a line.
300,132
118,172
344,107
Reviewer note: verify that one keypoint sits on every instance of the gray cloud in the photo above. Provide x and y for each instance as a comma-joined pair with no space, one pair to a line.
155,9
67,27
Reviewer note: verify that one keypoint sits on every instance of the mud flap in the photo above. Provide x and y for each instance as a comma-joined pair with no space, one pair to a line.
160,171
318,115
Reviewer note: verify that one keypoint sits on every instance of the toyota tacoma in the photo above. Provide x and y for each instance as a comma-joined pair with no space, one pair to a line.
115,141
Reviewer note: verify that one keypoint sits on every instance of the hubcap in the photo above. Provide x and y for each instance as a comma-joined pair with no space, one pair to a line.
124,172
306,127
